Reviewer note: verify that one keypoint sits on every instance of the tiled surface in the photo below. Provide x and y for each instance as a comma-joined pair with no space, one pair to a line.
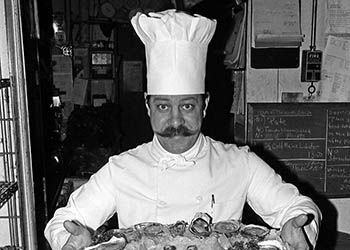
343,242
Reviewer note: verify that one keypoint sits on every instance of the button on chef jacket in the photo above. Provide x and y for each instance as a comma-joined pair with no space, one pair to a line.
149,184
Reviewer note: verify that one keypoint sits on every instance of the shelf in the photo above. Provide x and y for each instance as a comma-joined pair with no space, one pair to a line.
7,190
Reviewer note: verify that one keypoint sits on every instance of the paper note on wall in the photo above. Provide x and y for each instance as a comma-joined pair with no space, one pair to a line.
132,76
61,64
335,84
62,76
79,91
338,17
64,83
276,23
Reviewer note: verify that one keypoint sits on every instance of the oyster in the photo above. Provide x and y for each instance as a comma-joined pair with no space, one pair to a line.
151,229
169,247
200,225
254,231
130,234
192,247
116,242
178,229
270,245
228,227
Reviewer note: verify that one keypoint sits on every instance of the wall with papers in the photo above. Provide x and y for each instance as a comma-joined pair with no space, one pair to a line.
332,37
273,85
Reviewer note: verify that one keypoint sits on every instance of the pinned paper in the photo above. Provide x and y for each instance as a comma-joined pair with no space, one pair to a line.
338,17
79,91
276,24
335,83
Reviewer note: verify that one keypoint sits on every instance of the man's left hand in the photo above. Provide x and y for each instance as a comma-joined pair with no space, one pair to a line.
293,232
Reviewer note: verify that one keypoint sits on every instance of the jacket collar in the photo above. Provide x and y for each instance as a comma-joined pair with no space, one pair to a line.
167,160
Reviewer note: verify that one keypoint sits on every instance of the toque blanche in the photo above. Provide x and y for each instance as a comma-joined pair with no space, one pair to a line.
176,46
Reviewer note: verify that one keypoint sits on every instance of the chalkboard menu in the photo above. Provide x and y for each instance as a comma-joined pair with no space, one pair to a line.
312,140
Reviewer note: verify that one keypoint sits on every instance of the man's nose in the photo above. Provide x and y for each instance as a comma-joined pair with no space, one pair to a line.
176,118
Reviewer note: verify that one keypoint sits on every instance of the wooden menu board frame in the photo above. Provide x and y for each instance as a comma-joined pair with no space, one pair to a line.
312,140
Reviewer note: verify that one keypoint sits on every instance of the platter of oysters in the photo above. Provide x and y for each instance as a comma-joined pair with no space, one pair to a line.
199,234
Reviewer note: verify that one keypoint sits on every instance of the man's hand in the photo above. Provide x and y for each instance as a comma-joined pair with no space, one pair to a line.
80,236
293,232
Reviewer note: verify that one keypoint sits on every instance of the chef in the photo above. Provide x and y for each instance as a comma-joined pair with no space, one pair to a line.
181,171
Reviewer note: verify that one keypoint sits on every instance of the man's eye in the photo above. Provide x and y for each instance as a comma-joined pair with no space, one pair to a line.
187,107
162,107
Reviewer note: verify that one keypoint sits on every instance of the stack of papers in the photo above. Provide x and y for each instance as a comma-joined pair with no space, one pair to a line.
276,24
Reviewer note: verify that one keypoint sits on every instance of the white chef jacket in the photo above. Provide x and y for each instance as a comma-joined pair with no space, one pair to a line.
149,184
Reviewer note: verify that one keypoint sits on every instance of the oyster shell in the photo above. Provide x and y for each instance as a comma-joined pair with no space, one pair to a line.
226,227
130,234
200,225
271,245
177,229
254,231
151,229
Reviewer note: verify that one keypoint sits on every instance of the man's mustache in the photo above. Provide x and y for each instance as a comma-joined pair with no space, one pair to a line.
178,131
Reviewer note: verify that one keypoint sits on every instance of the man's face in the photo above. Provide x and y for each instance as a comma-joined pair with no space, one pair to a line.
176,120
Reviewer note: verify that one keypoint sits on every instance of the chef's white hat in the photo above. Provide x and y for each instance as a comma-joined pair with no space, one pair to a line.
176,50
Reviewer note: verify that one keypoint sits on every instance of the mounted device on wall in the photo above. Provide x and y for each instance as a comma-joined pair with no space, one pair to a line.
102,64
312,58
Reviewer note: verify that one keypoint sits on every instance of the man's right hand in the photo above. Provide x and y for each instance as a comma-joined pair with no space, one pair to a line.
80,236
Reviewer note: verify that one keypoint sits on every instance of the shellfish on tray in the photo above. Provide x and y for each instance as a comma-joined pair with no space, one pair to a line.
201,225
200,234
254,231
178,229
226,227
151,229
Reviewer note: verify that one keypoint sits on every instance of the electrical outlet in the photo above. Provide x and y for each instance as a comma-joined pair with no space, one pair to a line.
311,65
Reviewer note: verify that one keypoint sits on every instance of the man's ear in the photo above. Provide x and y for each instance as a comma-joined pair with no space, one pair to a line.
206,103
147,104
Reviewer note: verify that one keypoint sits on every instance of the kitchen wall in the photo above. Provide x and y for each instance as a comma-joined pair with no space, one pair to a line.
267,85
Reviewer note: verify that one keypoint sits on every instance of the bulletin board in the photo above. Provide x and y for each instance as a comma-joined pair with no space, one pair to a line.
312,140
